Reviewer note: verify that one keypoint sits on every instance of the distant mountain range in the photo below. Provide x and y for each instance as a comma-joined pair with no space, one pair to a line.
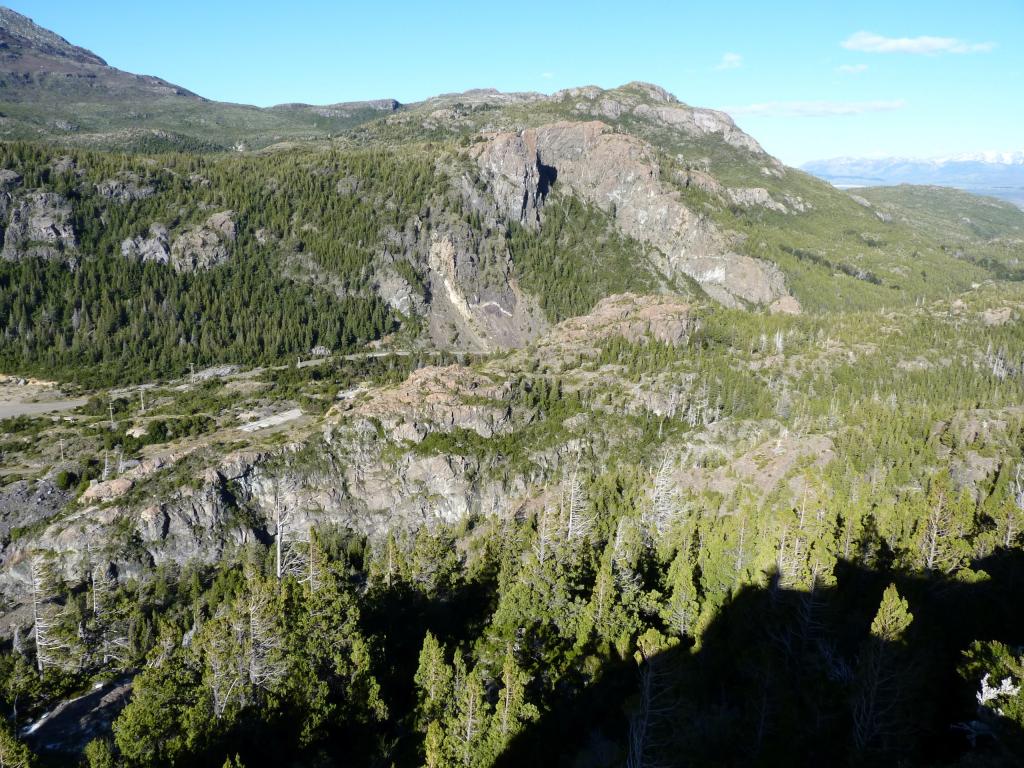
1000,174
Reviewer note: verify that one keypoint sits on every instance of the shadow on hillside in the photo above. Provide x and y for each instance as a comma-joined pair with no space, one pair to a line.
400,617
784,677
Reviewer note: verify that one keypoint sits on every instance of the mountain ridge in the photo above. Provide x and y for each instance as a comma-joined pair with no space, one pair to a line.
691,202
492,429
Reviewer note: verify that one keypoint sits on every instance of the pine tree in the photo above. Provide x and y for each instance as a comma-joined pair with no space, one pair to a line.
512,710
682,609
433,681
879,694
13,754
468,726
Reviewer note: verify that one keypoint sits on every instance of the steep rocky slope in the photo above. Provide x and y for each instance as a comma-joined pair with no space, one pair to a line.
620,175
640,376
674,197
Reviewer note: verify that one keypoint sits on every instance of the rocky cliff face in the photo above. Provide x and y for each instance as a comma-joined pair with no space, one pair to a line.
364,465
471,298
619,173
474,292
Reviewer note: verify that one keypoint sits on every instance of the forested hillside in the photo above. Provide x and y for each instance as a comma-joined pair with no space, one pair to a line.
493,430
712,534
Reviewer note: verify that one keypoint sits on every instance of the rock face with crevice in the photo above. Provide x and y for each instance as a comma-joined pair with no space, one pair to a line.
474,291
620,174
466,287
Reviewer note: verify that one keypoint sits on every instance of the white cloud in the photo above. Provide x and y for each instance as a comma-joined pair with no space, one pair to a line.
547,75
869,42
815,108
730,61
852,69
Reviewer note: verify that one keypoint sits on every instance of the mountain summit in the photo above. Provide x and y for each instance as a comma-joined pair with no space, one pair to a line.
24,43
39,65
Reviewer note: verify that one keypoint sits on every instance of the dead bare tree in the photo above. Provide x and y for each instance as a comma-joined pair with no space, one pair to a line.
225,673
313,562
547,527
939,531
665,501
289,558
740,553
655,711
43,621
1014,512
578,523
266,665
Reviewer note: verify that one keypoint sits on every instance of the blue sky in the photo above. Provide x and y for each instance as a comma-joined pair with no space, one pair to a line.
807,79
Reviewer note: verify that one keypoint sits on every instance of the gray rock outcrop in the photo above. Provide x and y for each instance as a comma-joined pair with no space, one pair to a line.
750,197
9,179
700,122
125,189
155,248
205,246
39,226
396,291
656,105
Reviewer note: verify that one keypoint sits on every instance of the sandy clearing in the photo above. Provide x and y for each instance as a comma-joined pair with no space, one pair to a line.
9,408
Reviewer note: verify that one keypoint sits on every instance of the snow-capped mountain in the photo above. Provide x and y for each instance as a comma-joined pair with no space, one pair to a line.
991,158
1000,174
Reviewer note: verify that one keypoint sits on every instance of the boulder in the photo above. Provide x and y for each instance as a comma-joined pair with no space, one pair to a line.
110,489
9,179
996,316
